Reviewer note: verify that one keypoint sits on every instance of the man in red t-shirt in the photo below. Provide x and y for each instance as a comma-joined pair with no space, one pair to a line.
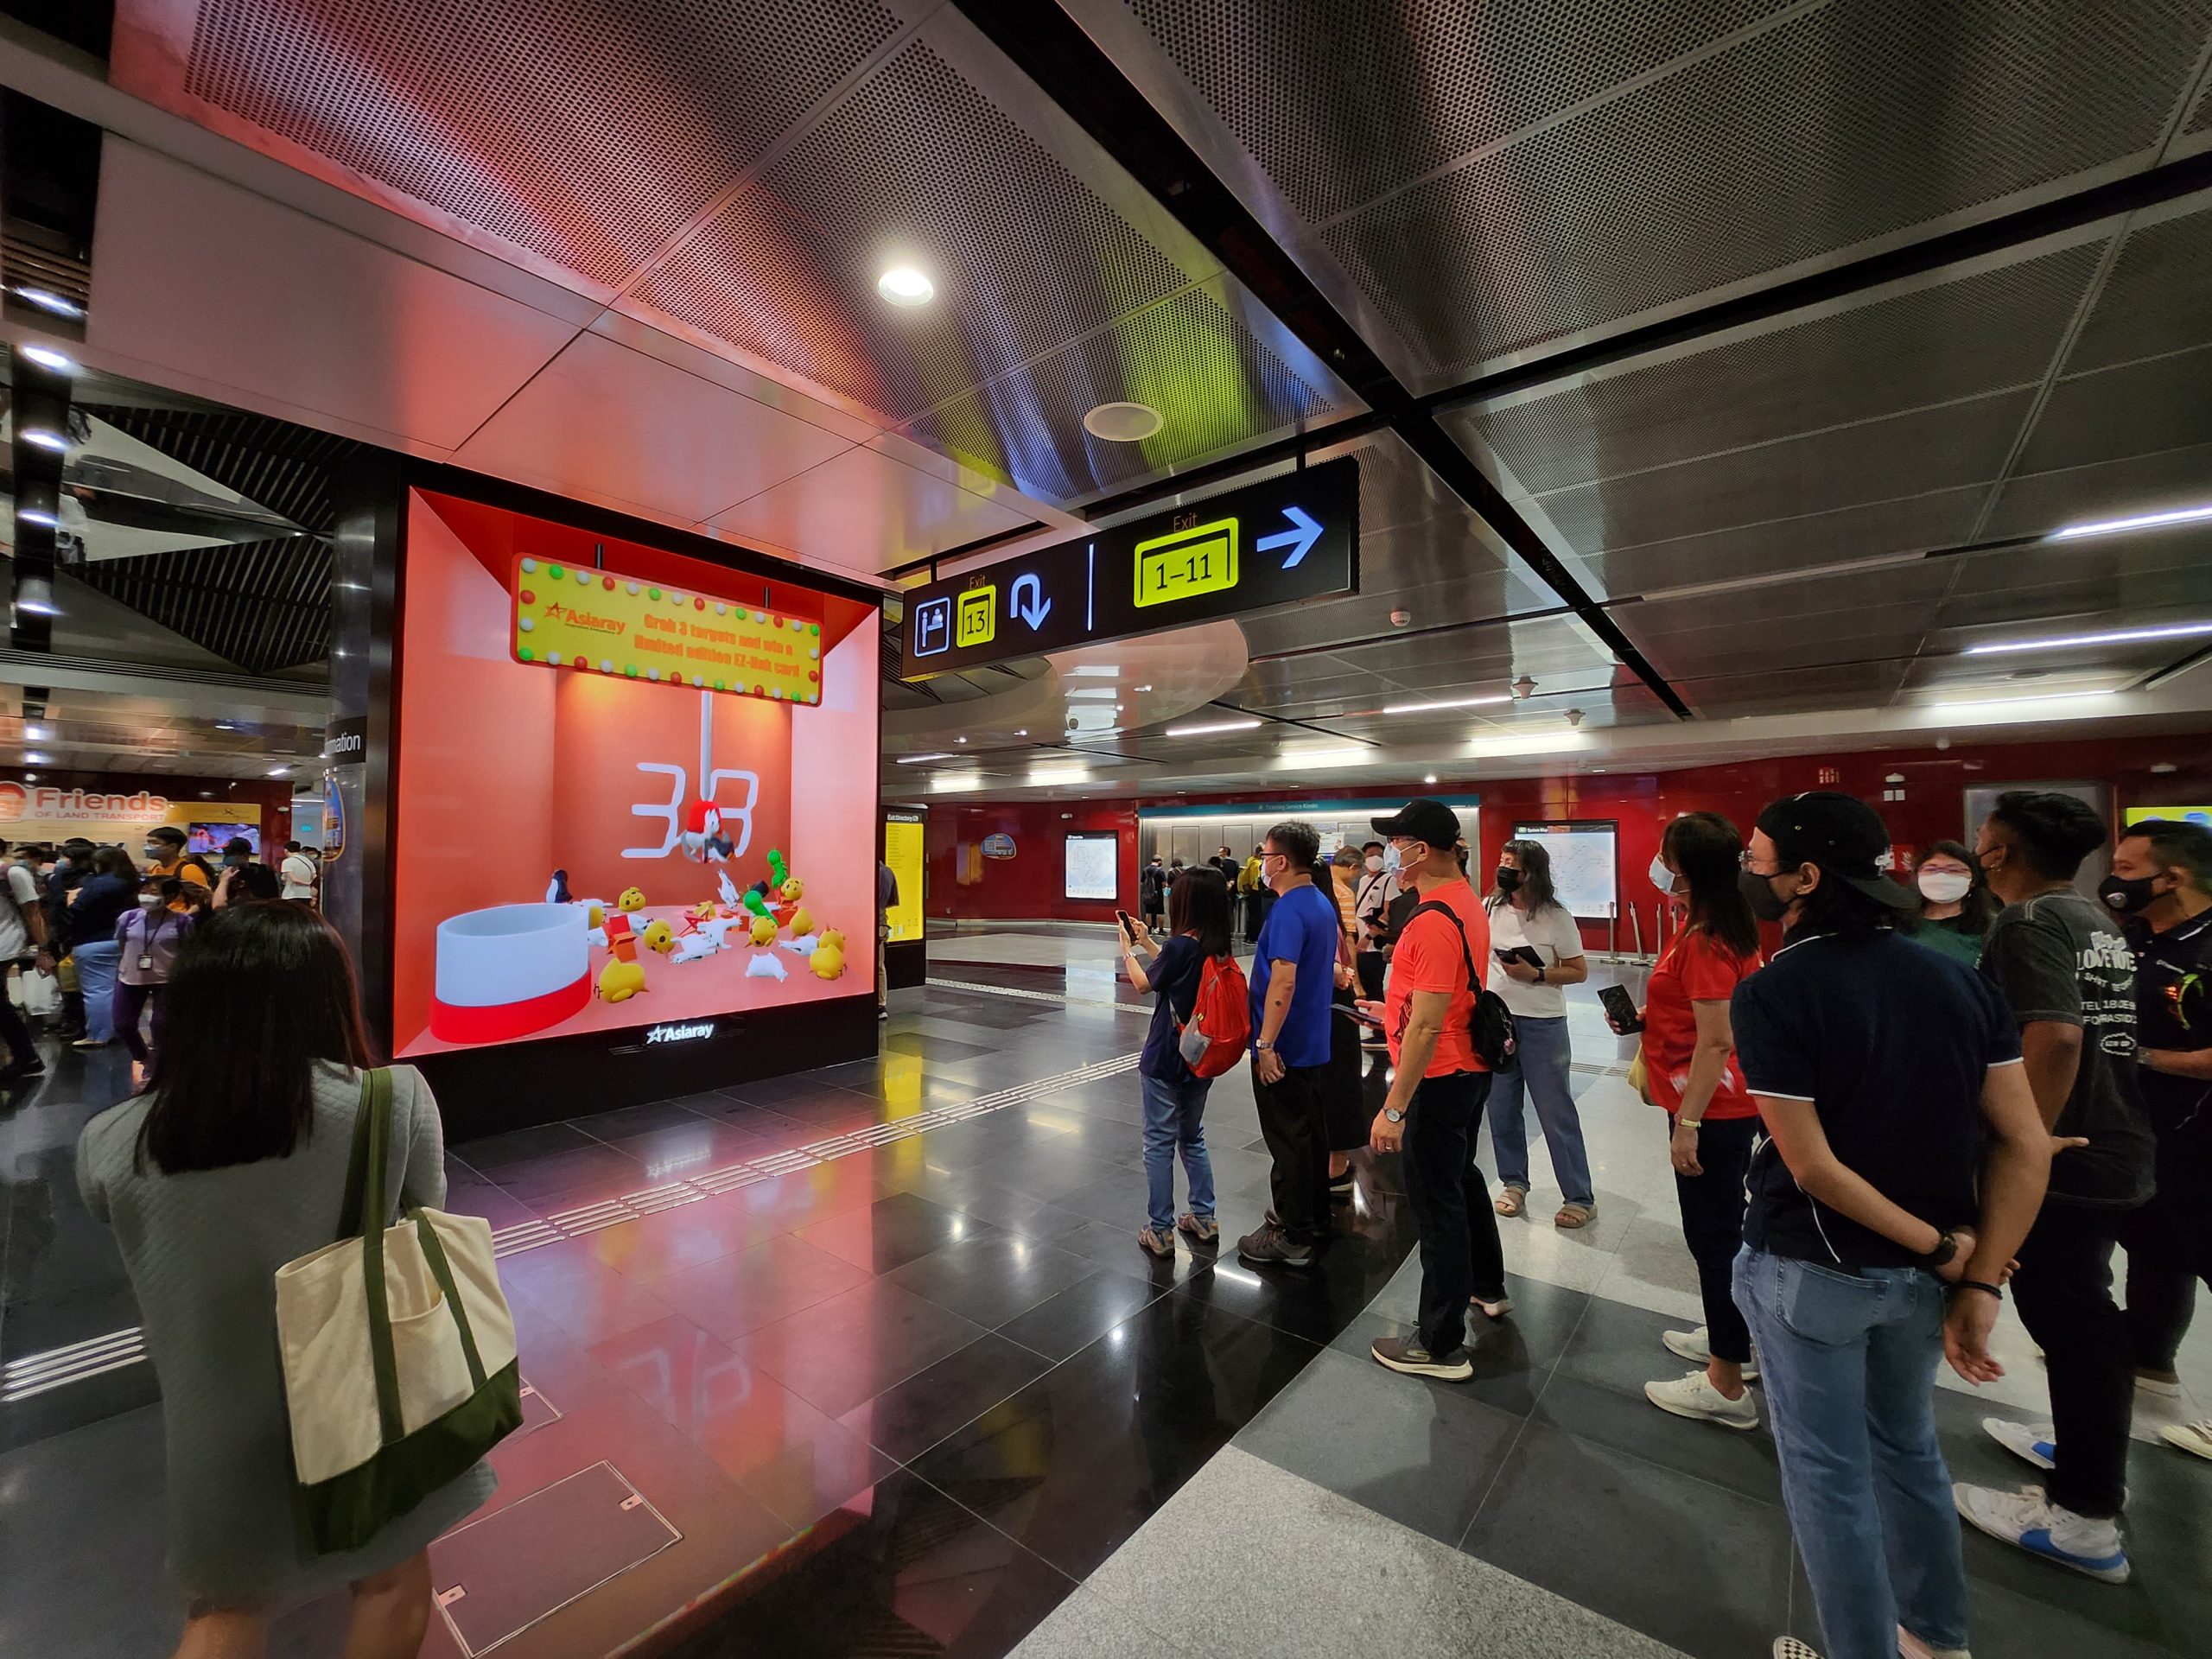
1437,1093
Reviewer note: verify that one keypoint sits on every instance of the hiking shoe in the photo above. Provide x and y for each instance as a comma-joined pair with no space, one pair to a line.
1157,1242
2032,1522
1693,1346
1694,1396
2032,1442
2191,1437
1200,1230
1405,1354
1271,1246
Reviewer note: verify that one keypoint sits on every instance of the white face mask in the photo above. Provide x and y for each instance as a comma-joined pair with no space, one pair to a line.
1944,887
1662,877
1374,863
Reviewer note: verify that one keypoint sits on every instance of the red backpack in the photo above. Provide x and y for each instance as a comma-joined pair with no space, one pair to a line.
1214,1038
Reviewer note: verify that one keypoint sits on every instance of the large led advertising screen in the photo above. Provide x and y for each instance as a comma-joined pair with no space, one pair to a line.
634,788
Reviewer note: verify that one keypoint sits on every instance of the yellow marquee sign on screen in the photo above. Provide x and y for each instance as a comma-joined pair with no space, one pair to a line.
629,627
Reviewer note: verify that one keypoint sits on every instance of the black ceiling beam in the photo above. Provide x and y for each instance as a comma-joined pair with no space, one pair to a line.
2152,187
1051,49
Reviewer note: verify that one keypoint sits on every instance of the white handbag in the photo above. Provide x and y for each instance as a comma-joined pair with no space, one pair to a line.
398,1351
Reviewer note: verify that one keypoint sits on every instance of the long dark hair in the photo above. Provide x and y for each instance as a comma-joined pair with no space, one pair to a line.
261,991
1979,908
1198,905
1706,849
1535,875
113,860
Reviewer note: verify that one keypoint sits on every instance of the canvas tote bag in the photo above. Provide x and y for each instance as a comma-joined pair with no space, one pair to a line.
398,1351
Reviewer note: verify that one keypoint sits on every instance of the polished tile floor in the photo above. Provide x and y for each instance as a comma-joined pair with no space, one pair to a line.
926,1396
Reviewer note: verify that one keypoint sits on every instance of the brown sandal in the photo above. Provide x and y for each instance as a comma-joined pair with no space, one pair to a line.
1509,1200
1572,1216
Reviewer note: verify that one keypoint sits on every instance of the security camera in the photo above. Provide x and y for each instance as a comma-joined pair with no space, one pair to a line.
1574,717
1402,618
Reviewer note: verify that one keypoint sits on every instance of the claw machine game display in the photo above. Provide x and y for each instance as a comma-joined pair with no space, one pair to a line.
635,806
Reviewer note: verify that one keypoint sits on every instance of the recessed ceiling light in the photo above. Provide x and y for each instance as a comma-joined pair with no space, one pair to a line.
1430,779
1211,727
45,300
2118,636
904,285
36,733
40,438
1448,703
1140,688
34,758
960,740
1024,732
47,357
954,783
1123,423
2143,521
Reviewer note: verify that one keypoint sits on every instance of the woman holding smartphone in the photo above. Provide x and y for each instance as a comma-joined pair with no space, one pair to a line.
1527,920
1174,1096
1689,1067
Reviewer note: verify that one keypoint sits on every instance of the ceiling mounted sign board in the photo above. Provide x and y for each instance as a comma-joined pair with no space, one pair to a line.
1287,539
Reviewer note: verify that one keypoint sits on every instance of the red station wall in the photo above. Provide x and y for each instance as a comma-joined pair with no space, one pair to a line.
1029,885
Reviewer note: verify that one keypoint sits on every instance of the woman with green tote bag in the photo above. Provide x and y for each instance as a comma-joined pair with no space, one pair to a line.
234,1163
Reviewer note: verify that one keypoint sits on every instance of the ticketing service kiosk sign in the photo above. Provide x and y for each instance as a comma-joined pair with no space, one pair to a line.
1290,538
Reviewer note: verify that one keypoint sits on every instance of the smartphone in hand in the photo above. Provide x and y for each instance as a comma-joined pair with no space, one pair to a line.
1620,1009
1129,925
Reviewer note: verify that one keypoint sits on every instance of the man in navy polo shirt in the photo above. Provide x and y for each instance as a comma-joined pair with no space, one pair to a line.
1294,972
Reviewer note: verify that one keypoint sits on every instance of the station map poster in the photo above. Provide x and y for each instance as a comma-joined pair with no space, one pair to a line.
642,808
1585,863
1094,866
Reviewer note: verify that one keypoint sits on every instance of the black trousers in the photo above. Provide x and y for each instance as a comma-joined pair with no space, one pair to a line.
13,1031
1460,1255
2063,1291
1713,1226
1295,1126
2168,1245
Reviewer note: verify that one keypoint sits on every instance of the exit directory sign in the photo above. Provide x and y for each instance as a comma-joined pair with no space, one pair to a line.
1287,539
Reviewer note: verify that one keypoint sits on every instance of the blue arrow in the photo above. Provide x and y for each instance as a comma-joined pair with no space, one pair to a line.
1037,608
1299,540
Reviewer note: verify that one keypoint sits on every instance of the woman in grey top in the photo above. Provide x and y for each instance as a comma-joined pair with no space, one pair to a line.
231,1165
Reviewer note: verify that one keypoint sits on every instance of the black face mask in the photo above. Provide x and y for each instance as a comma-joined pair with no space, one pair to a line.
2125,896
1509,880
1758,892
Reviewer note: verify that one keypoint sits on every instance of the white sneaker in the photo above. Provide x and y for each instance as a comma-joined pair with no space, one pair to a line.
1695,1396
1911,1647
2191,1437
1789,1647
2032,1521
1693,1346
2032,1442
1495,1310
2163,1385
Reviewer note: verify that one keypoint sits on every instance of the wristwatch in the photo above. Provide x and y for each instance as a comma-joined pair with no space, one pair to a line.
1946,1248
1390,1117
1262,1047
1540,973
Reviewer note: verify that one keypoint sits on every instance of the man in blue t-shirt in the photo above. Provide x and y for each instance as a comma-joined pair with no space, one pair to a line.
1294,974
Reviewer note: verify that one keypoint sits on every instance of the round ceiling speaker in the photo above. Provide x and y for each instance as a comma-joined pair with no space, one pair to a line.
1123,423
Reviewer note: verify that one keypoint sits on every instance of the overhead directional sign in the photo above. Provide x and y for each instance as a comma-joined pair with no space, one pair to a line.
1290,538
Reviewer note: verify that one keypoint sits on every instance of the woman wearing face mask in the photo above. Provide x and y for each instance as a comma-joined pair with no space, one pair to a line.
1526,916
1689,1062
1955,903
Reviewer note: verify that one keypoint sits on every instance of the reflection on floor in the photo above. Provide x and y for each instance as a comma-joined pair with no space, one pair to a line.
927,1396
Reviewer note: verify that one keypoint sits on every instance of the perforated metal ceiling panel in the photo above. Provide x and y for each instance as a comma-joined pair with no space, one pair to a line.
586,131
1474,182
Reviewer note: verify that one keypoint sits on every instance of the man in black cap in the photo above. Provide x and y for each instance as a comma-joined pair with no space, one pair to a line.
1437,1091
2069,976
1902,1162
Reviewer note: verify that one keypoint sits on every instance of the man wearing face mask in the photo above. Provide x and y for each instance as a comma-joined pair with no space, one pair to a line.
1901,1164
165,855
2161,885
2070,979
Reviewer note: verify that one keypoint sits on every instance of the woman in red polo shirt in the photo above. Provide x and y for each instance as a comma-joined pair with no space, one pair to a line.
1689,1067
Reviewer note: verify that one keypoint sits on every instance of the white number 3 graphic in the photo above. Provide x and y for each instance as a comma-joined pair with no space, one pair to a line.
737,818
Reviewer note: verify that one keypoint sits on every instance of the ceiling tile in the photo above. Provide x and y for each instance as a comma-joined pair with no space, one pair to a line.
867,511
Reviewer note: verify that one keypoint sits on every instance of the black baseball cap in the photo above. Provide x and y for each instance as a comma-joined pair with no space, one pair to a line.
1430,821
1841,834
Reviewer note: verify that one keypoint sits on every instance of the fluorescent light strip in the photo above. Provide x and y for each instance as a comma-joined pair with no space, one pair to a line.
2145,521
2119,636
1969,710
1211,727
1345,755
955,783
1531,743
1448,703
917,760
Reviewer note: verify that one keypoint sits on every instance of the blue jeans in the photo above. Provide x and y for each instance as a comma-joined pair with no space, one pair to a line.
96,965
1174,1117
1848,1361
1543,1068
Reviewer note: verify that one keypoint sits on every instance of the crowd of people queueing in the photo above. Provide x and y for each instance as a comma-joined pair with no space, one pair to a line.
1930,1098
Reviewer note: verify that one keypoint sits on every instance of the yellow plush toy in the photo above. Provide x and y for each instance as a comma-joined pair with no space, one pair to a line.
620,980
597,915
764,929
658,936
793,890
828,958
631,900
802,923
